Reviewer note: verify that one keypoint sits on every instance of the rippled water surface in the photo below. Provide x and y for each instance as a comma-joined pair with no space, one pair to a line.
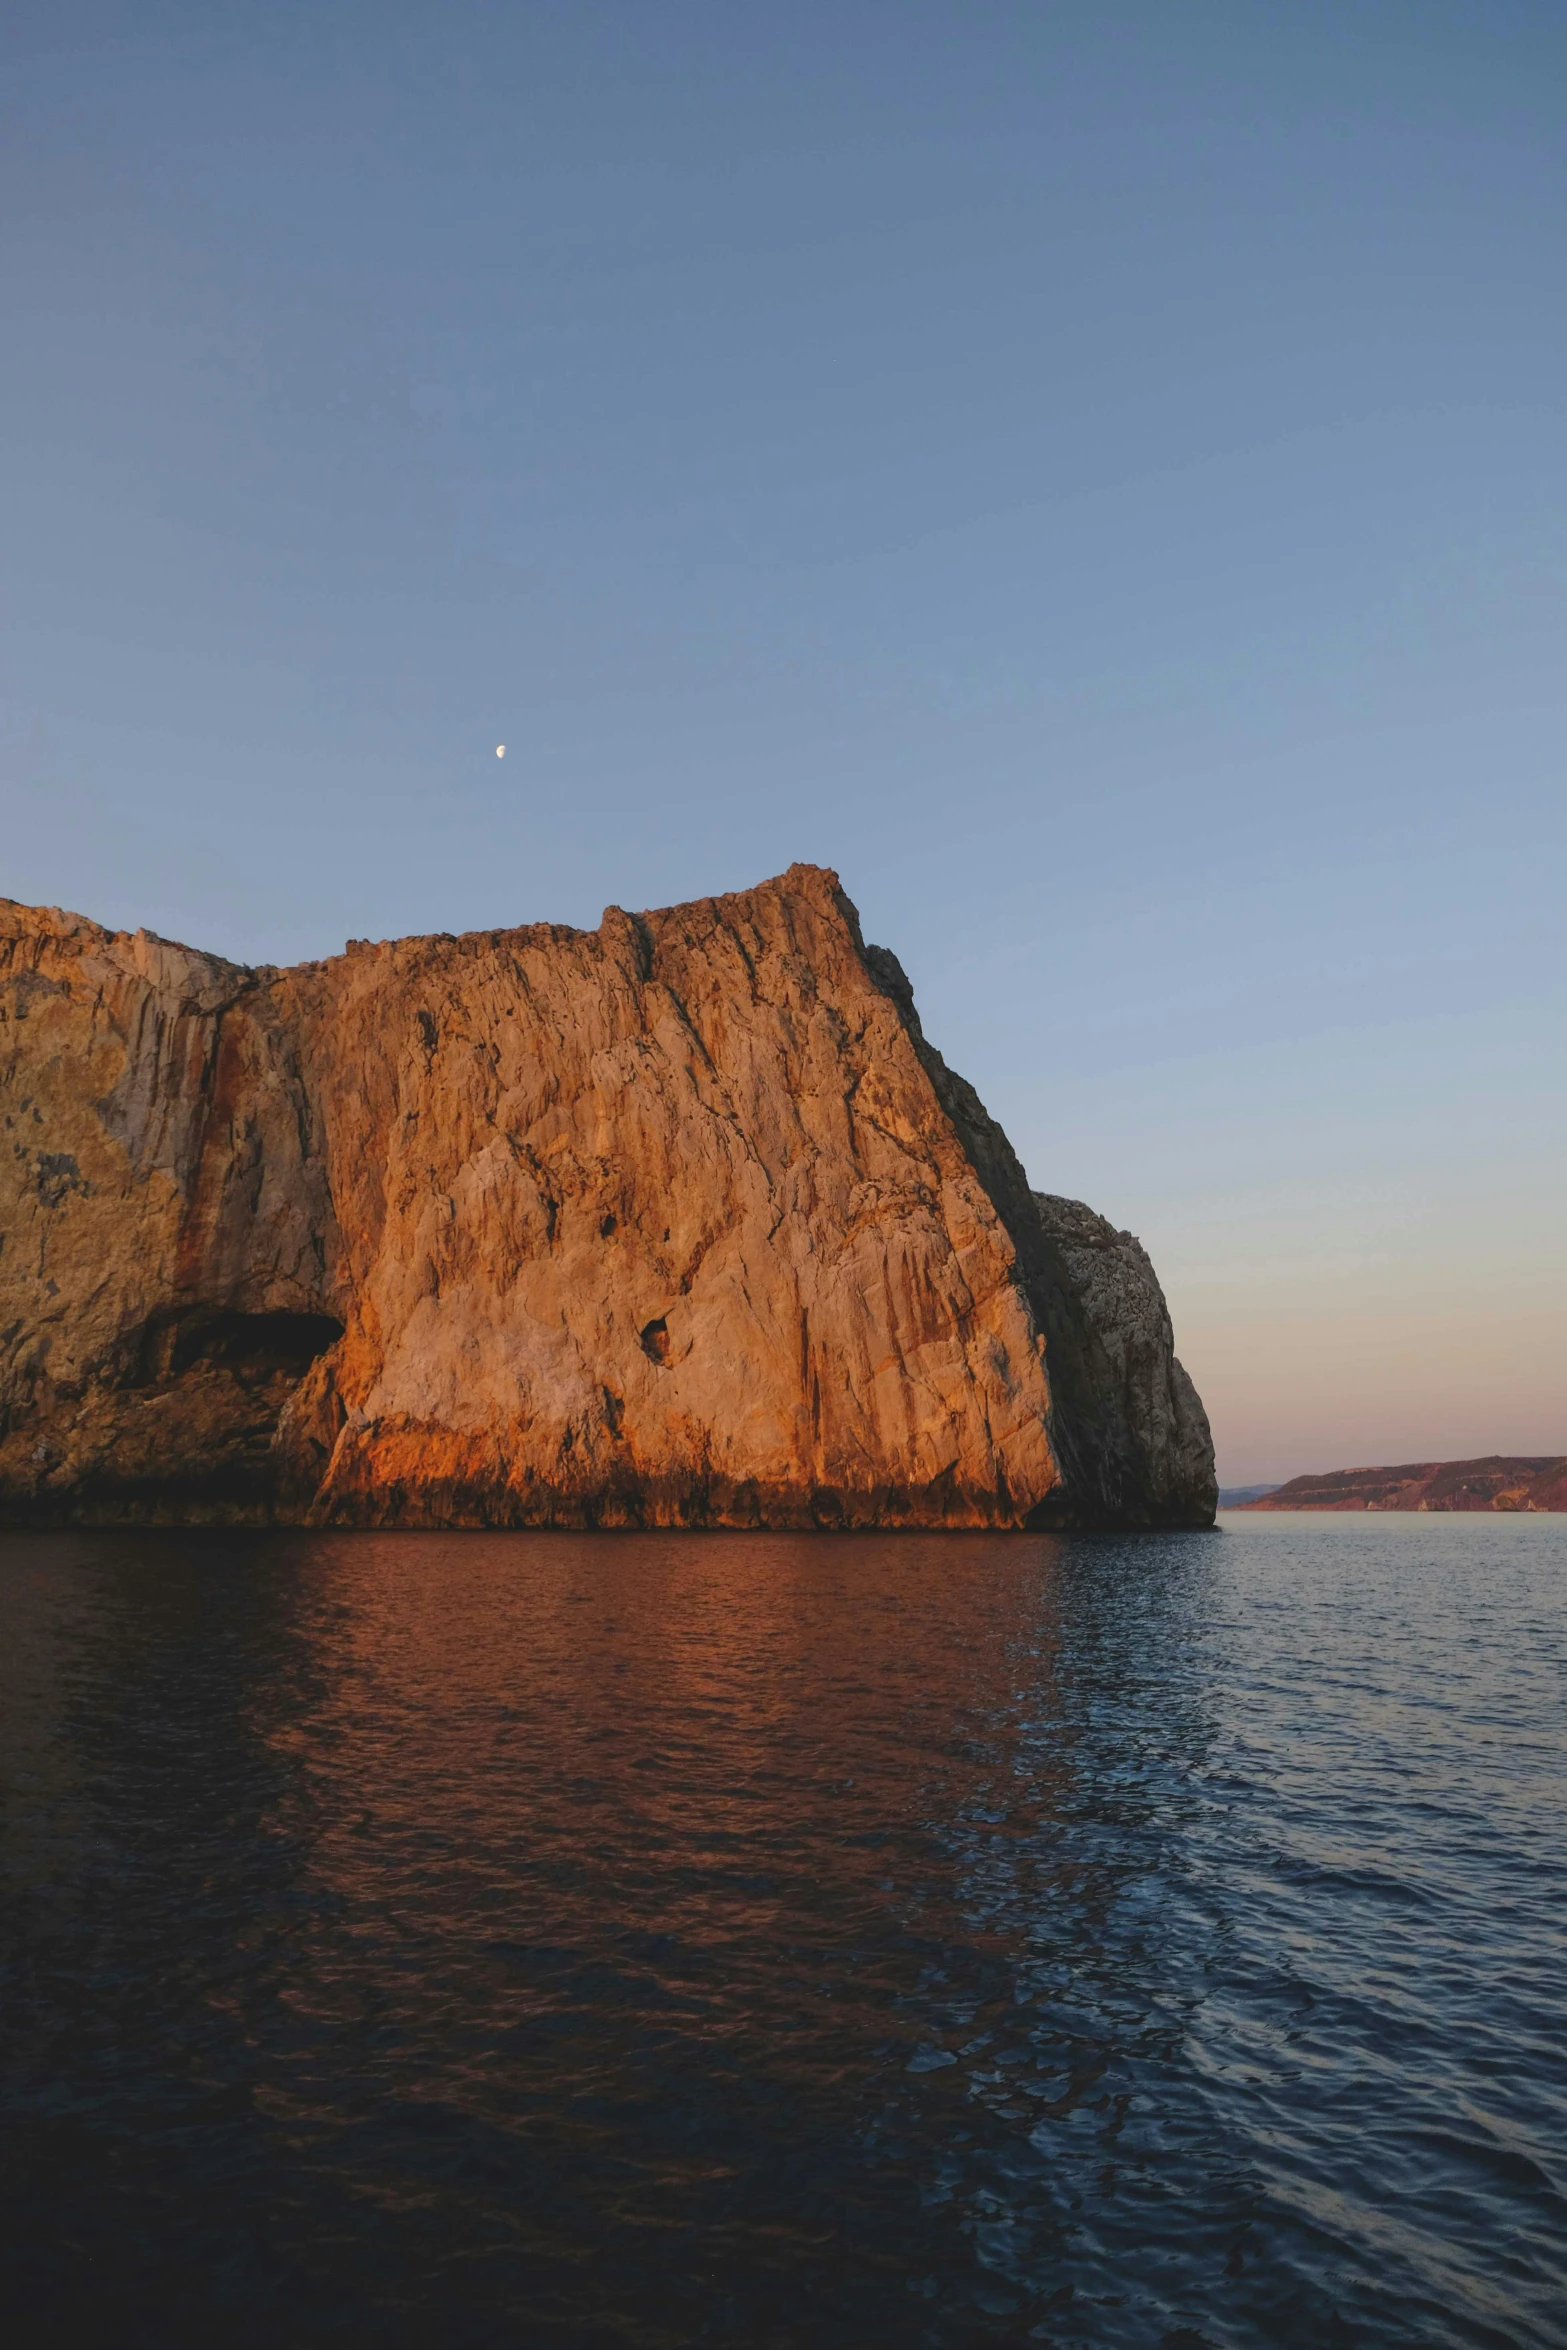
653,1940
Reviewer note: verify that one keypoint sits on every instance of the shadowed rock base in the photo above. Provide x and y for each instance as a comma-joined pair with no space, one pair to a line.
676,1222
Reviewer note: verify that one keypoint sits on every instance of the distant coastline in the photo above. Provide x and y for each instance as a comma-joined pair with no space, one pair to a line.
1499,1481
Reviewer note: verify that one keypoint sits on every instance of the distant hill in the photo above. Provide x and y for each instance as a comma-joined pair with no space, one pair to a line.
1502,1481
1236,1497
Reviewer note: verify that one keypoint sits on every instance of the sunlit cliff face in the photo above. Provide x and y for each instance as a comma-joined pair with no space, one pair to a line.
676,1222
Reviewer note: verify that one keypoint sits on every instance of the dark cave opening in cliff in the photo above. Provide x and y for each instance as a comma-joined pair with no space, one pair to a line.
251,1346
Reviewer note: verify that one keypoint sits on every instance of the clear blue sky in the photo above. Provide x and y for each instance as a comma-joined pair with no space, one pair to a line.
1094,474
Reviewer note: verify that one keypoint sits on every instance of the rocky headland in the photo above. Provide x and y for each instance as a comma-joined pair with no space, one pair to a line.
676,1222
1501,1481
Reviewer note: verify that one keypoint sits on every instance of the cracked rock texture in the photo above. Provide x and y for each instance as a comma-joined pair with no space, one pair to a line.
678,1221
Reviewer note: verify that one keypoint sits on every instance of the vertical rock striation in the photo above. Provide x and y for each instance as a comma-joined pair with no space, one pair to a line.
679,1221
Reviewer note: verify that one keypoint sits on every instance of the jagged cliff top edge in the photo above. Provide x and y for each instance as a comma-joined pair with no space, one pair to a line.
821,884
817,882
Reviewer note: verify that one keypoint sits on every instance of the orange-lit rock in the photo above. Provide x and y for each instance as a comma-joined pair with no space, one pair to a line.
676,1221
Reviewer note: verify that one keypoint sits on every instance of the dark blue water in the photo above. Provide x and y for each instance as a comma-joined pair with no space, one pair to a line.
786,1940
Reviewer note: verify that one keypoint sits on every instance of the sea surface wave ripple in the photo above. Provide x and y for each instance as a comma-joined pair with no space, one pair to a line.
653,1940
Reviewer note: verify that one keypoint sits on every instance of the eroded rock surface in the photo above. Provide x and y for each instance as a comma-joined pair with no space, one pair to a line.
679,1221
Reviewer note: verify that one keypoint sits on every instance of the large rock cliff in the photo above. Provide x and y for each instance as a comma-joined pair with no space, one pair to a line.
678,1221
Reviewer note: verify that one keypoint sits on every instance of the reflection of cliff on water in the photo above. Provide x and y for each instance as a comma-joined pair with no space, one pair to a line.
795,1941
1065,1937
575,1926
770,1837
146,1898
140,1679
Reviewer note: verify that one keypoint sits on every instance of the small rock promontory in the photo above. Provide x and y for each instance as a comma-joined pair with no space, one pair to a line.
1500,1481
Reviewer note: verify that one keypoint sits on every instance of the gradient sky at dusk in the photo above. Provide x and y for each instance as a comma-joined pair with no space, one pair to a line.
1093,474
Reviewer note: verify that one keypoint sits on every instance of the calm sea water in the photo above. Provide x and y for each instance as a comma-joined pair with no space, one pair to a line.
773,1940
